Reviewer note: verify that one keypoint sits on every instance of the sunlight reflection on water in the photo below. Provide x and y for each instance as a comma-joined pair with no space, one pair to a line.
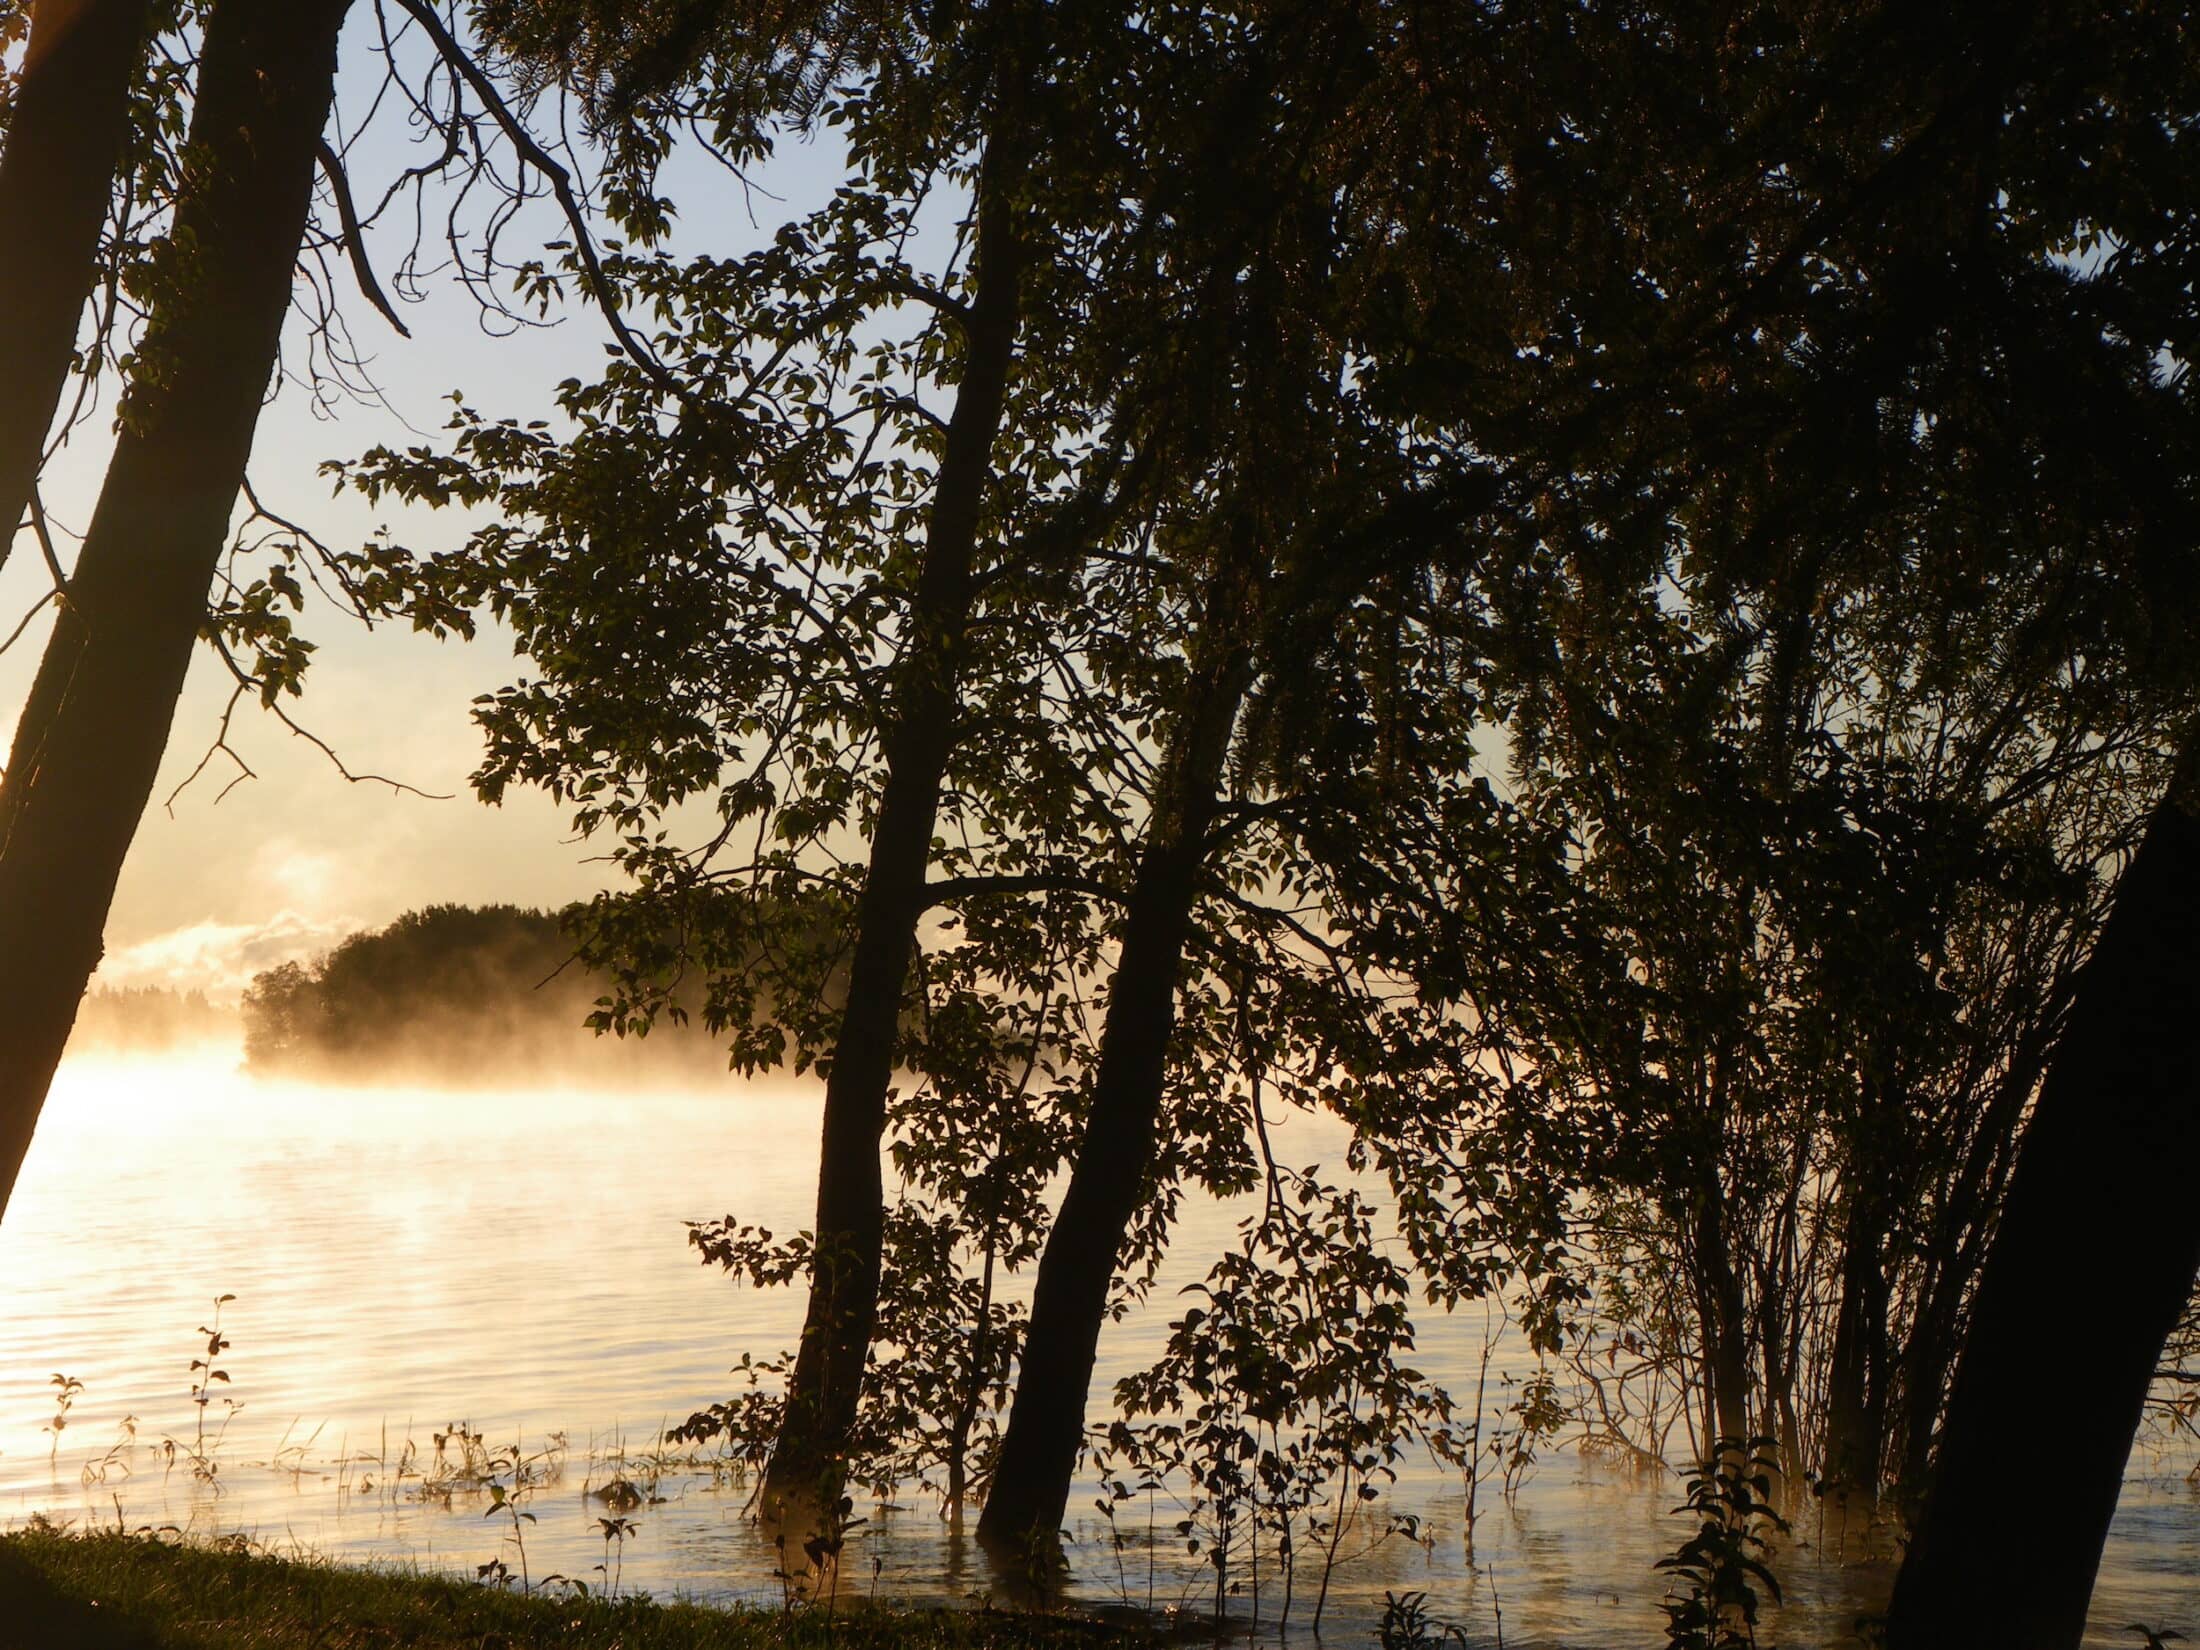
404,1259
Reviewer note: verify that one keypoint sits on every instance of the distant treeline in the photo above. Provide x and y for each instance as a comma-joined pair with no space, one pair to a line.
481,995
147,1019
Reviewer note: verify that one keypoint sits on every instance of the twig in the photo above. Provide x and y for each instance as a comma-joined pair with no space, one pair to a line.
222,747
245,679
37,607
45,546
355,243
561,183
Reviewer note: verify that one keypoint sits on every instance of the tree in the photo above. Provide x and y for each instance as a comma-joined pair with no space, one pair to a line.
2099,1212
96,722
64,138
1272,532
1754,382
863,605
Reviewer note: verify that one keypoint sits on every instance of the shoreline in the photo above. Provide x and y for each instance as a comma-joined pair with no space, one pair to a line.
110,1591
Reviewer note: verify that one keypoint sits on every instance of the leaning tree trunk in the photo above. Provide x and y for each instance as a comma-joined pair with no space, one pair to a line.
97,721
2094,1260
1029,1494
56,176
844,1280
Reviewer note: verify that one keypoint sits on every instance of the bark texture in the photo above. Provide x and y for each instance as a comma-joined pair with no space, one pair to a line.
57,173
97,720
1855,1381
2100,1226
851,1210
1046,1423
1725,1318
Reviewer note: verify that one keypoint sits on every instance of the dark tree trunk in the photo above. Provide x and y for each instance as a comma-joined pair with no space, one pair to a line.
1855,1399
91,738
1725,1325
843,1306
56,177
2101,1236
1046,1423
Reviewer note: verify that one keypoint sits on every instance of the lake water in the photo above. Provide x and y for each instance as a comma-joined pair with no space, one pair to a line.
403,1260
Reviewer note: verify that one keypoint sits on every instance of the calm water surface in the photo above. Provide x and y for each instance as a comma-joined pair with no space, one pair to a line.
406,1259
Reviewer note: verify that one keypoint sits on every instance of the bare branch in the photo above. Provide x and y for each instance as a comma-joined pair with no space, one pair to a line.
45,545
953,890
37,607
245,679
355,242
561,183
220,747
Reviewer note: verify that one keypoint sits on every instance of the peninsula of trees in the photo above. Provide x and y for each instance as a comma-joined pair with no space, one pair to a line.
463,995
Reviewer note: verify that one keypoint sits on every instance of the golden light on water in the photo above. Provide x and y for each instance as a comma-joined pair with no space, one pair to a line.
407,1258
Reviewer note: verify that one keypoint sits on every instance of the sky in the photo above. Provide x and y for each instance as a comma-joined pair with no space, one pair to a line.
296,857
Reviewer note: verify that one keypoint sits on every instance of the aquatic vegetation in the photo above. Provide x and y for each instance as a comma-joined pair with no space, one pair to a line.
201,1452
1718,1572
66,1387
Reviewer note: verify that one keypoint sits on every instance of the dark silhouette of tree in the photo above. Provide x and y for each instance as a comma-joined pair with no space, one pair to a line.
65,136
2098,1211
96,722
281,1012
1806,447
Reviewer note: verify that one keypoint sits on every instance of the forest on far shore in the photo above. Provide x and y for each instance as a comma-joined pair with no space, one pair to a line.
441,993
450,991
147,1019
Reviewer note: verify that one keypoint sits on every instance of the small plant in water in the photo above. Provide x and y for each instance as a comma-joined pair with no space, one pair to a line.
115,1464
615,1532
66,1387
201,1451
1406,1624
1720,1568
504,1501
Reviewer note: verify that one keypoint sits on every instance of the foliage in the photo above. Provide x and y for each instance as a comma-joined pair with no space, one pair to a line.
1721,1568
1632,577
1280,1405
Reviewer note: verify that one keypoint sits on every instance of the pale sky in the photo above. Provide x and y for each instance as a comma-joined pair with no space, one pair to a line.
297,857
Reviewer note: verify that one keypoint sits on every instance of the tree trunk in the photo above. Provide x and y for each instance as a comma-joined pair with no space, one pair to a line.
1725,1326
2094,1260
91,740
1046,1423
56,176
843,1305
1855,1418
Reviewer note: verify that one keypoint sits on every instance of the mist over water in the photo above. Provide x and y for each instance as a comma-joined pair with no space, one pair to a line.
513,1258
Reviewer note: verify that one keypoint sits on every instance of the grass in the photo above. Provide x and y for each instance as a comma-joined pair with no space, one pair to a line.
119,1592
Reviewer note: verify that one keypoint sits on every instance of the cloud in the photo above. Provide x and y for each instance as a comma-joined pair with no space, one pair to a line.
219,958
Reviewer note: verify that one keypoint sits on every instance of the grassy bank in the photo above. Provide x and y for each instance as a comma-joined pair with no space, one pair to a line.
107,1592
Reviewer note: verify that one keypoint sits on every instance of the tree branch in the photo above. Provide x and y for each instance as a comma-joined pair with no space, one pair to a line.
533,154
245,679
953,890
355,243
